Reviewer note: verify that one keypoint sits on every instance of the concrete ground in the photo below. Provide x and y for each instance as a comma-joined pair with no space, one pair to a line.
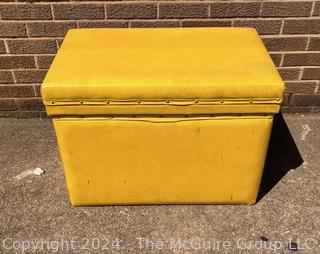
35,214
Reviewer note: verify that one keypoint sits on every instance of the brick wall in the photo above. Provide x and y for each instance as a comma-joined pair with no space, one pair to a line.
31,32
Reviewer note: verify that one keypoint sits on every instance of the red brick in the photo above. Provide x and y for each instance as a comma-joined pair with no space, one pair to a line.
316,11
31,46
43,114
30,104
25,11
300,87
183,10
285,101
2,47
315,110
296,59
262,26
12,29
234,10
29,76
20,114
286,9
276,58
286,43
59,41
301,26
289,73
131,10
311,73
37,89
305,100
314,44
296,109
206,23
102,24
50,29
6,77
155,23
44,61
11,91
7,104
78,11
17,62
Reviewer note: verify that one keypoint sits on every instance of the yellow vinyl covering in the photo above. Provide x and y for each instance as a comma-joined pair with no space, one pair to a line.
162,116
109,71
201,160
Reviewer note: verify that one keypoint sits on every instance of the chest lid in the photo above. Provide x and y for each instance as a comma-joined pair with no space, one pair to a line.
98,71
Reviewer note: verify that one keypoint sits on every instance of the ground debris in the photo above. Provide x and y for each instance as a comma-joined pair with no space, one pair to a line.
37,171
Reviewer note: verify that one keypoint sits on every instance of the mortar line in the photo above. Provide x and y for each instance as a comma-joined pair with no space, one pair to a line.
27,30
308,42
20,84
281,61
288,67
281,28
57,44
14,77
34,38
301,72
154,20
6,46
296,52
34,90
260,9
53,54
172,19
105,11
146,1
316,89
312,8
303,81
158,10
52,13
36,62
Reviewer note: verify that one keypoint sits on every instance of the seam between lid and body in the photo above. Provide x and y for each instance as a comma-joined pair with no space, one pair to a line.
165,119
169,102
